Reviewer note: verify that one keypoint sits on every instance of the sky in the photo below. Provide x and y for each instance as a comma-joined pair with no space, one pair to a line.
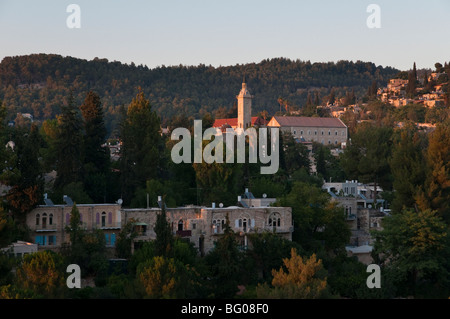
229,32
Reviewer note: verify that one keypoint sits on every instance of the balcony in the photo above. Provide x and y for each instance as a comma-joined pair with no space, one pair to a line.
45,228
278,229
184,233
351,217
117,225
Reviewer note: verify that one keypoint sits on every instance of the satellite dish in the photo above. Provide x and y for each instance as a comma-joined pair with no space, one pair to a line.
221,205
264,195
120,201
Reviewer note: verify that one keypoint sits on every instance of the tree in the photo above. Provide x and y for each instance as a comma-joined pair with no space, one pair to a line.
318,224
268,250
69,145
96,157
26,178
140,150
303,279
166,278
42,273
413,246
164,238
366,158
408,168
412,82
435,194
224,264
295,154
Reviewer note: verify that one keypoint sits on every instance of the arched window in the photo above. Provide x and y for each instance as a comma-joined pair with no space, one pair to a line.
44,220
50,219
109,218
103,219
274,220
180,225
38,216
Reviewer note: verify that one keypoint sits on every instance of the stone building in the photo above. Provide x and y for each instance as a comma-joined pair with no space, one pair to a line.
48,222
202,226
325,130
198,224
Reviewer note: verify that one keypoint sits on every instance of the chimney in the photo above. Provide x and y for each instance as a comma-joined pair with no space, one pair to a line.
213,205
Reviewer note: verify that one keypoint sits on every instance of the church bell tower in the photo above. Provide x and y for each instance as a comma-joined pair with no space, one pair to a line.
244,107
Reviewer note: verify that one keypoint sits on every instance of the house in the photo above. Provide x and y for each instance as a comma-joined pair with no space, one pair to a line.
48,222
361,215
197,224
202,225
325,130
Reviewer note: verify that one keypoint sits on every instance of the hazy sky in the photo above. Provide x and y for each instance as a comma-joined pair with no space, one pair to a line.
229,32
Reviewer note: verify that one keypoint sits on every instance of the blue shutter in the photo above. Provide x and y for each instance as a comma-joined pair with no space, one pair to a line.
107,239
113,239
38,240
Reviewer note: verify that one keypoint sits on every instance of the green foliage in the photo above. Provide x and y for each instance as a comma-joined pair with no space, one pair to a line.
41,274
317,223
224,265
176,89
413,247
140,133
303,279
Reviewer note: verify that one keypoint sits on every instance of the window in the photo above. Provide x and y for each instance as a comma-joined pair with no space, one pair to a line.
180,225
315,132
51,240
322,132
336,133
38,216
301,132
274,220
329,132
103,219
44,220
97,218
295,132
109,218
50,219
309,132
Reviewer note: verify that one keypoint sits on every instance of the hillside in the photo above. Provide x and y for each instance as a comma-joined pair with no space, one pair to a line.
39,83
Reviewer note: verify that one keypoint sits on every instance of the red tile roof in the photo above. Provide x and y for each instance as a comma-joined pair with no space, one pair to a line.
231,121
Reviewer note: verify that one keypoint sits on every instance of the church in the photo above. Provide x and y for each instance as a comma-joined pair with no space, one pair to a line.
245,118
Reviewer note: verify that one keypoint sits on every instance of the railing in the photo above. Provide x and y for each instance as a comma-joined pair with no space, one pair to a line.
278,229
116,225
351,217
184,233
45,227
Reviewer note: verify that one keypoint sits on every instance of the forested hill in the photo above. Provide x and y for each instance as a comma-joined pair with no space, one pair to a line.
39,83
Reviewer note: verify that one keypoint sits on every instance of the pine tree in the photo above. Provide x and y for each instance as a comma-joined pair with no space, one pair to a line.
141,146
407,167
96,157
69,145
